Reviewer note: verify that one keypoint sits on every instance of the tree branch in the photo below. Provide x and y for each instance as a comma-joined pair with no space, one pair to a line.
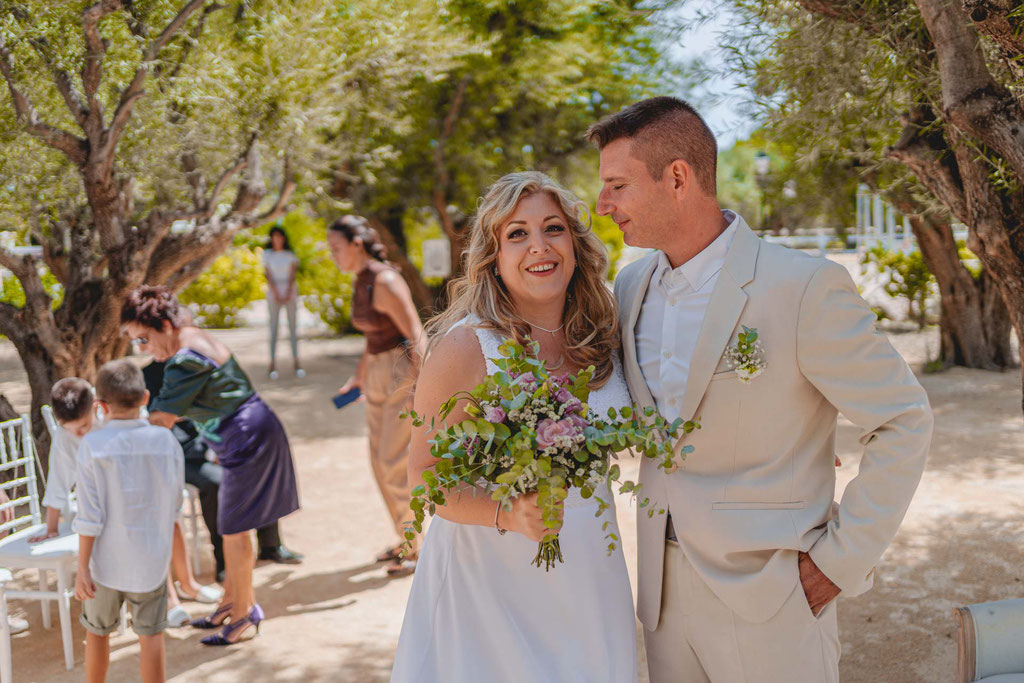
92,69
439,196
74,148
927,154
211,203
253,189
62,79
37,301
971,97
131,94
998,20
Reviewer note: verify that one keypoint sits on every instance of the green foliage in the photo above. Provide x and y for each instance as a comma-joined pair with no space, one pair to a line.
232,282
319,83
13,293
908,277
531,431
540,74
605,228
801,189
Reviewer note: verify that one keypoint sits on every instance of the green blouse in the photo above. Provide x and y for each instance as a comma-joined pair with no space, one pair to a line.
195,387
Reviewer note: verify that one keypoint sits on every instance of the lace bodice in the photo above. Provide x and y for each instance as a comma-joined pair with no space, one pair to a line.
614,393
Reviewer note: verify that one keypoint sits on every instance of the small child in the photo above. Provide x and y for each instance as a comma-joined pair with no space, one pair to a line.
75,410
130,477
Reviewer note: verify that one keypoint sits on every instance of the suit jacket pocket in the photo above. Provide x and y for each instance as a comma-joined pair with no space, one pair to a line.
755,505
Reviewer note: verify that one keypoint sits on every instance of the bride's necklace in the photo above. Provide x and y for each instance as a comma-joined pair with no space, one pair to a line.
544,329
561,358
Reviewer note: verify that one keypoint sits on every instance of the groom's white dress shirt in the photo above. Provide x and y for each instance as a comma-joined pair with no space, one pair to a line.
670,320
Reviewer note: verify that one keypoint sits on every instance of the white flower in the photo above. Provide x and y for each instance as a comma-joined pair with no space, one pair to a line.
747,355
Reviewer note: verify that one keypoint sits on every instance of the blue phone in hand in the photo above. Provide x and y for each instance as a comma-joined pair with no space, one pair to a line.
342,400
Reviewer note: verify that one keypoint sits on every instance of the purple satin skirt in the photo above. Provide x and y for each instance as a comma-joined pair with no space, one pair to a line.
258,485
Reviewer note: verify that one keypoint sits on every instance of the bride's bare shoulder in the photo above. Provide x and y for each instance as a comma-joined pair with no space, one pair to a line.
458,349
453,364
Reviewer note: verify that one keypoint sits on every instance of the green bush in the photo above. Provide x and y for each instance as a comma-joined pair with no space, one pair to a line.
908,275
232,282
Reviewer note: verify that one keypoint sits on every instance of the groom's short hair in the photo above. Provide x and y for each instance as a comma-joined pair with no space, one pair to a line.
662,130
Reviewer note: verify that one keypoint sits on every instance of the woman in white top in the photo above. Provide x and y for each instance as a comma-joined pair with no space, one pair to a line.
478,610
280,264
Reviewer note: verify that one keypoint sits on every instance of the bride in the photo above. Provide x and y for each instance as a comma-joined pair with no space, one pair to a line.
478,610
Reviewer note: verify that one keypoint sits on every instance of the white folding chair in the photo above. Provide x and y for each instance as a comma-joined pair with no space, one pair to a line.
190,511
18,476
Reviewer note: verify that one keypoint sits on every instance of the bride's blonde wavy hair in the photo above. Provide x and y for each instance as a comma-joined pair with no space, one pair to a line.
590,318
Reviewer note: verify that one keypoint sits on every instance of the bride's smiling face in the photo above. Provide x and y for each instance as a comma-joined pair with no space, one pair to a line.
535,251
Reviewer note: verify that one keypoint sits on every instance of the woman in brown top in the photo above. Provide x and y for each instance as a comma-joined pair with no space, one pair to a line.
383,310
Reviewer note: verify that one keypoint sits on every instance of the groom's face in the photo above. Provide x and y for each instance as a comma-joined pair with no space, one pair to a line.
640,205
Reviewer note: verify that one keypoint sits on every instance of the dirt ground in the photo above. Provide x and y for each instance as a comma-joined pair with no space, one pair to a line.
337,616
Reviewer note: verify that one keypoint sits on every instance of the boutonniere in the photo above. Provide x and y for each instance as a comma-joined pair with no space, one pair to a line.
746,356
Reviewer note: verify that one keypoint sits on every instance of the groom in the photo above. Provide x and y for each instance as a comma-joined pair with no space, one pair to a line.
737,582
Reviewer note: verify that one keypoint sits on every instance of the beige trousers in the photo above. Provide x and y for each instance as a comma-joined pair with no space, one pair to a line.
700,639
388,388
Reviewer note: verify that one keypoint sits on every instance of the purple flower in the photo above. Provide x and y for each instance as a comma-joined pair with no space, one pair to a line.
563,395
579,422
549,430
527,382
573,405
495,414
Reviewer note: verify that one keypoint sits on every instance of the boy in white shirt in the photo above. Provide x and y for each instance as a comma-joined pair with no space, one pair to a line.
72,400
130,477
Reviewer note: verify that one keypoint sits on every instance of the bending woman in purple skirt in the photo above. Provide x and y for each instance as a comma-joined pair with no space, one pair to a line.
204,383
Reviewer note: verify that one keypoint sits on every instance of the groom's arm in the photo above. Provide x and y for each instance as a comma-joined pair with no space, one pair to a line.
859,372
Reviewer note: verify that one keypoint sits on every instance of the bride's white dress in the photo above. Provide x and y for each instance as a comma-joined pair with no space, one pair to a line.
479,611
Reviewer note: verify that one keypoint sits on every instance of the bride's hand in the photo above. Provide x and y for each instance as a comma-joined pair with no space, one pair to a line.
525,518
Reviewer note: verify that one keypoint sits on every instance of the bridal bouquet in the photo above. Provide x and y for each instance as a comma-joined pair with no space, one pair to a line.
530,431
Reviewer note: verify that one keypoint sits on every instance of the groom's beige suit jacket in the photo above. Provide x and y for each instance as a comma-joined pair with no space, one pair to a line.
760,484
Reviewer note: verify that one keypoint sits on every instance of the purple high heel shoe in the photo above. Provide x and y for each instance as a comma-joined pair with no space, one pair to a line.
254,618
215,620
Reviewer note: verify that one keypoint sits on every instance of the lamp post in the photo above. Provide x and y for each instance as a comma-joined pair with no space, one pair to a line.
762,169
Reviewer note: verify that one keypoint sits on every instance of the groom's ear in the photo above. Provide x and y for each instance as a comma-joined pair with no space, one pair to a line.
680,174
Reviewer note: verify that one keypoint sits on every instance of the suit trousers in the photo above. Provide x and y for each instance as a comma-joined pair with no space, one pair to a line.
388,388
701,639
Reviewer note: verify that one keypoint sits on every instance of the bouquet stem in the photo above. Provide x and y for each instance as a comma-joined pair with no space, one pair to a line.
548,552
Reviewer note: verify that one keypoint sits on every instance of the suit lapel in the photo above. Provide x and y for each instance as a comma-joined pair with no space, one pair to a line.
727,302
633,305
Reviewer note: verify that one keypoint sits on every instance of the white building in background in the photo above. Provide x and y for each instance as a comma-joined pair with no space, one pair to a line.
879,223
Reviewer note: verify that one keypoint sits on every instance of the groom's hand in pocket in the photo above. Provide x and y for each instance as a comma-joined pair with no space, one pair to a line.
818,588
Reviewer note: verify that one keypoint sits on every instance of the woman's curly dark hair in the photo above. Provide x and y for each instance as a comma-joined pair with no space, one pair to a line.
151,306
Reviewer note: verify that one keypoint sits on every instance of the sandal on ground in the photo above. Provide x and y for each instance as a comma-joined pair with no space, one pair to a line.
391,554
233,632
178,617
214,620
402,567
208,595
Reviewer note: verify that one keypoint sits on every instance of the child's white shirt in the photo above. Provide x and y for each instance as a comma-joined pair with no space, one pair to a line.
130,480
63,471
63,468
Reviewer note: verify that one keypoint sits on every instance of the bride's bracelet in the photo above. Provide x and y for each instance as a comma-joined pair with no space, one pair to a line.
497,509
